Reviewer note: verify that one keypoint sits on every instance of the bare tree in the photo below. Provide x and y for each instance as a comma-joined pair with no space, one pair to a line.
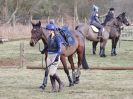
5,10
12,18
76,19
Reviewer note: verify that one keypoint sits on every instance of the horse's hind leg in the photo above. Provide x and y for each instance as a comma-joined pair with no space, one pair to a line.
63,60
70,59
80,57
102,48
94,44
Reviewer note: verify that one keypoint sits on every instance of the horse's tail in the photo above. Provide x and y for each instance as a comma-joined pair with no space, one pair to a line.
84,62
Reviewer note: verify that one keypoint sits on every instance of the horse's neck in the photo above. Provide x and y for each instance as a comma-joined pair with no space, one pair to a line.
44,35
44,41
115,22
111,22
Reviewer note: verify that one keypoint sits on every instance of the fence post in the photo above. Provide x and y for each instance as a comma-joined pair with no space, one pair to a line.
21,55
48,20
62,21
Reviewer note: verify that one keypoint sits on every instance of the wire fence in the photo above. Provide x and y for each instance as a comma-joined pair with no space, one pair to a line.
19,54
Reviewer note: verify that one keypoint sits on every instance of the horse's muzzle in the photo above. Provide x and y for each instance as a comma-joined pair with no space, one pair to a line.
128,24
32,44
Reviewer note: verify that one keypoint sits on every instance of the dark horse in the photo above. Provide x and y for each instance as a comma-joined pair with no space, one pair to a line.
39,32
114,29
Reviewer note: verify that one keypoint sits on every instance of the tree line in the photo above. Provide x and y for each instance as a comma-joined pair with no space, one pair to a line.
22,11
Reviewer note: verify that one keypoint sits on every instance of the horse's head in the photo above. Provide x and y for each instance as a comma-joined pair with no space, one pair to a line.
123,19
36,33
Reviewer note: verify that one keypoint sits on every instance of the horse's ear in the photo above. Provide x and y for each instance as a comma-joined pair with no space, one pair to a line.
32,23
39,23
124,14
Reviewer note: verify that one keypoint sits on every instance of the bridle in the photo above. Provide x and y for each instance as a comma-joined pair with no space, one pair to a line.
36,31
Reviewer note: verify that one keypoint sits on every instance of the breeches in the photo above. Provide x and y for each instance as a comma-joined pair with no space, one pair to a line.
52,64
98,25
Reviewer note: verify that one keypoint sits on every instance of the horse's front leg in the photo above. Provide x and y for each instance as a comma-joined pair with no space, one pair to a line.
63,60
80,52
116,41
44,84
113,47
94,45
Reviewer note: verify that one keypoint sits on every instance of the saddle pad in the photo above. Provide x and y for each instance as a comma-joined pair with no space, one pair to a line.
95,29
67,35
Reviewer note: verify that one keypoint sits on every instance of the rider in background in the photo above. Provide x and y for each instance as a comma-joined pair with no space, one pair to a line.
94,20
109,16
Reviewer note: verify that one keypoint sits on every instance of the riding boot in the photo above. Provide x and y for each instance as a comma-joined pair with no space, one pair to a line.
61,85
53,83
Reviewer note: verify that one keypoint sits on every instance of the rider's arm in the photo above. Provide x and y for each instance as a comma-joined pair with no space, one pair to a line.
45,49
97,18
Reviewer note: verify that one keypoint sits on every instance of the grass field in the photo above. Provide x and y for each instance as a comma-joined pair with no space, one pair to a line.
24,83
94,84
10,51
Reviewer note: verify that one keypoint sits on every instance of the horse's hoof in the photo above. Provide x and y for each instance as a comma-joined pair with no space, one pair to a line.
104,55
54,90
77,80
94,53
115,54
112,54
42,87
71,84
101,55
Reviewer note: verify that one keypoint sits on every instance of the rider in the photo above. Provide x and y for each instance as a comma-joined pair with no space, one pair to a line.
109,16
94,20
51,22
53,58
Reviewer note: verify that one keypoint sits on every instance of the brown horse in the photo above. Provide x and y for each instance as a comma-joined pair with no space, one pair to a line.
114,29
88,32
39,32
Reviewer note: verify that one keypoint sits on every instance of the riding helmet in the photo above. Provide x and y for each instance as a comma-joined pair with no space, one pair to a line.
50,27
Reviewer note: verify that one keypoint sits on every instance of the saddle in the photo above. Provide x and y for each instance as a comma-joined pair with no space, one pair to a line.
67,36
95,29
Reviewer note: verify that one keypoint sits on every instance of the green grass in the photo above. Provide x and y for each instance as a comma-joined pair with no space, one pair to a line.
33,56
124,57
23,84
94,84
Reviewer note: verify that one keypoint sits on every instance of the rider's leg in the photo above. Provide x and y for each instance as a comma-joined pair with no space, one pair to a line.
99,26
